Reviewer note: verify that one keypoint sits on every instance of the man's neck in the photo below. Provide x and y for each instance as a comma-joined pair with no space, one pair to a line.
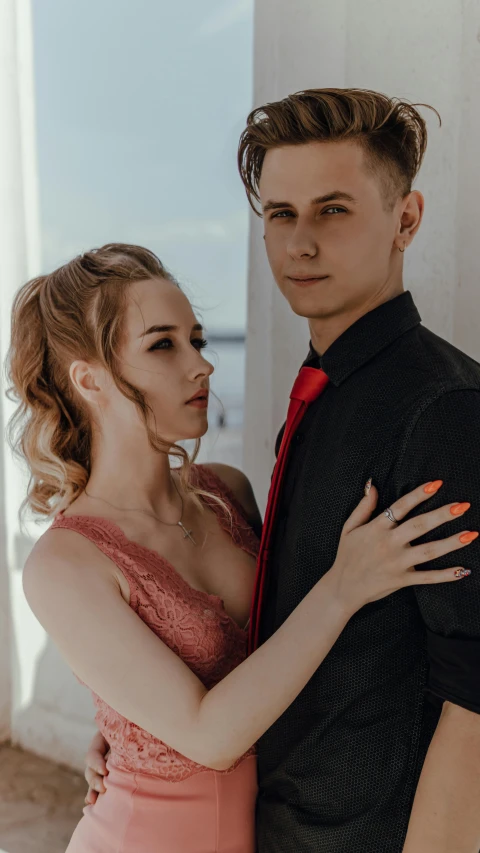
324,331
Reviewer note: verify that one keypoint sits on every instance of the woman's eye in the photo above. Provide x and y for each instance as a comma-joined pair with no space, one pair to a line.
199,343
167,343
164,343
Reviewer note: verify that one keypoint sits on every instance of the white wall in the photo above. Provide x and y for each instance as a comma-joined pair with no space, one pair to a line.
425,52
467,299
13,267
41,705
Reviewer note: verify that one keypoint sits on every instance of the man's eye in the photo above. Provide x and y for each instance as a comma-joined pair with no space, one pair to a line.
199,343
335,210
282,214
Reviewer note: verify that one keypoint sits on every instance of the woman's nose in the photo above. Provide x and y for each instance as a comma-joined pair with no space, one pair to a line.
203,366
209,368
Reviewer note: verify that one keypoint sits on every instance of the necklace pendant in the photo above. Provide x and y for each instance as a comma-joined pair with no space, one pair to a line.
187,534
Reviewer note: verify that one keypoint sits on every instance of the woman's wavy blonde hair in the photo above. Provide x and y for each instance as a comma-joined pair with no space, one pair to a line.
75,312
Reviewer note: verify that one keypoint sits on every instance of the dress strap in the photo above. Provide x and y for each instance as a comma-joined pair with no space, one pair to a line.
235,522
98,529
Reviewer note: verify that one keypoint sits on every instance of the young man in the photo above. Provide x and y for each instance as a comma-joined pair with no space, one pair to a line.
381,751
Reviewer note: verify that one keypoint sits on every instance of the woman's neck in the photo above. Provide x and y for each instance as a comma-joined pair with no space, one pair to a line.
133,479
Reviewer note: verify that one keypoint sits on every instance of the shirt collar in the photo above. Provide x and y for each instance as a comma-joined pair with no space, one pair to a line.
365,338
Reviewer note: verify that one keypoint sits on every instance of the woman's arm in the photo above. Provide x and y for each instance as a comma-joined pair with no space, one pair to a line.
77,599
239,485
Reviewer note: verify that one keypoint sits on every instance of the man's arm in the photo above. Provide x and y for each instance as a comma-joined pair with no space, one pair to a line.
445,444
446,812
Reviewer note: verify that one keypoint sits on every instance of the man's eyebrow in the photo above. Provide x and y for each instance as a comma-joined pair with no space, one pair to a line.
336,195
196,328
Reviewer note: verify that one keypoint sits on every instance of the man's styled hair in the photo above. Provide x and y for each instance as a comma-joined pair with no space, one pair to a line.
391,131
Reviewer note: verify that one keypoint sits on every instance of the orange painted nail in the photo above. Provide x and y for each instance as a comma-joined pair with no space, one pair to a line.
430,488
459,509
465,538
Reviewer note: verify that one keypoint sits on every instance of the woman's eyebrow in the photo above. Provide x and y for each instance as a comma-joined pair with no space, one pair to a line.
196,328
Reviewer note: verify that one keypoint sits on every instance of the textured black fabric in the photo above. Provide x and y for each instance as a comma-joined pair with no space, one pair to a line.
338,771
454,670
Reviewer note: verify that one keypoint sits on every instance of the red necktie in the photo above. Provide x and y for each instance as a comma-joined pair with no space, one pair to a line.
308,385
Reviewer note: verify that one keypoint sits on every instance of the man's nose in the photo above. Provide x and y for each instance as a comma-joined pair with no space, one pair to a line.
302,244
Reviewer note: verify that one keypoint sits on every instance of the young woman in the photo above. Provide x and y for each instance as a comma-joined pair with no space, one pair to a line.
144,579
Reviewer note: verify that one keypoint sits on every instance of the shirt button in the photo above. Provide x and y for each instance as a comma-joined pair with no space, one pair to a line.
300,438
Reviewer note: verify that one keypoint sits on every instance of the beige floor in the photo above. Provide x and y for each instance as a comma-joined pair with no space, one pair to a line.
40,803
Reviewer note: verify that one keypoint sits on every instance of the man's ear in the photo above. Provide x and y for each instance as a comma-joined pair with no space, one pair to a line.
411,214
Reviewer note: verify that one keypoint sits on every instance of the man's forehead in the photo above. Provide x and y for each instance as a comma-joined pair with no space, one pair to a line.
312,171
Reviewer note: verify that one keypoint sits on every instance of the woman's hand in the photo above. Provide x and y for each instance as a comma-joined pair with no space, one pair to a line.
375,558
96,768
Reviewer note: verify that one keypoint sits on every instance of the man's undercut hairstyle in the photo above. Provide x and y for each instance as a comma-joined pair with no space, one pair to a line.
391,131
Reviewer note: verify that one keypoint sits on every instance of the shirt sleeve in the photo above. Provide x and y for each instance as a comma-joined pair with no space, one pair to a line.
445,445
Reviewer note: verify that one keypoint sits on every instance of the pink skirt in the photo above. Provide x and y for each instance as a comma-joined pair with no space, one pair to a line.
210,812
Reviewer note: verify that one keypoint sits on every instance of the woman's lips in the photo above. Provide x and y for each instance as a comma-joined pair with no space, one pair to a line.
198,402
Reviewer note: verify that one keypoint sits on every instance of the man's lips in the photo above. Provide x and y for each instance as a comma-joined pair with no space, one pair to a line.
304,280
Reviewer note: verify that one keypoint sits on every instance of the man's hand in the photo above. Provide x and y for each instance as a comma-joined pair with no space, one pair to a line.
96,768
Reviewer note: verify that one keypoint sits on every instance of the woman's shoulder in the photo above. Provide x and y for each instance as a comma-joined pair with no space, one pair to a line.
56,562
52,547
234,479
239,485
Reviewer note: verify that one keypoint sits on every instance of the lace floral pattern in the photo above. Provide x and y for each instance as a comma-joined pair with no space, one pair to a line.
192,623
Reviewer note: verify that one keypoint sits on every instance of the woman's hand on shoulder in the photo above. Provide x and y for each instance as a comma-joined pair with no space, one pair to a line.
375,557
240,485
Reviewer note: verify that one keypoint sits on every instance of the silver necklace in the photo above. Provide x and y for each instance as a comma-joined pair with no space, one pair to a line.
187,534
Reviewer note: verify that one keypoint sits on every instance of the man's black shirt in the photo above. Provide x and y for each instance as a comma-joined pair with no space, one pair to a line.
338,771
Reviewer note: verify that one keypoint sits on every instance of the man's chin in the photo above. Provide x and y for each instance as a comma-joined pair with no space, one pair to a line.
314,309
314,301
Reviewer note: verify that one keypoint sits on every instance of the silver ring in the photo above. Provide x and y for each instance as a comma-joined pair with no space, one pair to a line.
388,512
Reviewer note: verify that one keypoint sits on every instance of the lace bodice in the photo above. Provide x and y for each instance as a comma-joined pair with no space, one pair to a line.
194,624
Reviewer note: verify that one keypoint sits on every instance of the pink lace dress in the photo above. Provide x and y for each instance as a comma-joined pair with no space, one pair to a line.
158,800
